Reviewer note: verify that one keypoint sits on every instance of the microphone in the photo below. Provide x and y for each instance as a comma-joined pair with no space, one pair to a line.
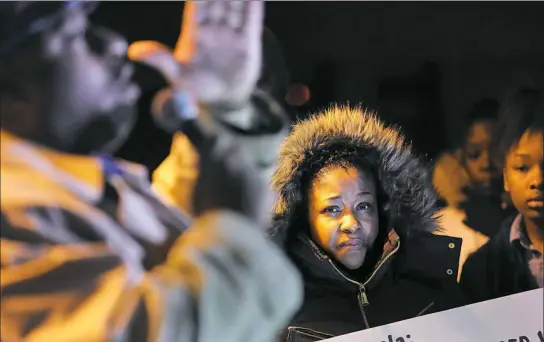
176,111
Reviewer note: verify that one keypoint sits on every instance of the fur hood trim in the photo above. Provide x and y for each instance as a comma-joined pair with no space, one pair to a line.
403,178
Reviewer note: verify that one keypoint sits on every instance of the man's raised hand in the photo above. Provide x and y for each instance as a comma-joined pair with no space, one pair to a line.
217,58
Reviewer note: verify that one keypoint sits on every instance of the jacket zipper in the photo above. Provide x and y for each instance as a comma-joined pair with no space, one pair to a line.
362,298
363,301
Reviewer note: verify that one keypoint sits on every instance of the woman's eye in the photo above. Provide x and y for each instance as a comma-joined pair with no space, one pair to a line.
364,206
332,210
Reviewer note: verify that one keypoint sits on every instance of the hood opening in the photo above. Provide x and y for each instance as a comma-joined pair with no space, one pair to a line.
407,198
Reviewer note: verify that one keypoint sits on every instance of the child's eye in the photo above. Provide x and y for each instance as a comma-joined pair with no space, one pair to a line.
473,155
521,168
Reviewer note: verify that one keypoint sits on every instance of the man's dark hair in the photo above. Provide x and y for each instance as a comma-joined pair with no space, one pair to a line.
521,111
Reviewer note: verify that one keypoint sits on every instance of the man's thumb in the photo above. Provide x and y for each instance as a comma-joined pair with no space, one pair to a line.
157,56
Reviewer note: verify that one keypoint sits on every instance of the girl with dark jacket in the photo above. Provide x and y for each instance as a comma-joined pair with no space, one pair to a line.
512,261
355,214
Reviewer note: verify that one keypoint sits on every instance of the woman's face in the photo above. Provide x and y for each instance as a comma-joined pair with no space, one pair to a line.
343,213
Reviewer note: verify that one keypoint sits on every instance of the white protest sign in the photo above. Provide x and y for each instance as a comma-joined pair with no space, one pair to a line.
516,318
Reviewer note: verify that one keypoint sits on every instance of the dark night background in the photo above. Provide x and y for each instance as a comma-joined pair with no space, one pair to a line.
416,63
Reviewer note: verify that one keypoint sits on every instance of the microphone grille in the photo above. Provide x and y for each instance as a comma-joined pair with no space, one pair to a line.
170,109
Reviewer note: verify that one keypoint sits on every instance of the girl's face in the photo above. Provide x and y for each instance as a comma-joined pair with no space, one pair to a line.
343,213
524,175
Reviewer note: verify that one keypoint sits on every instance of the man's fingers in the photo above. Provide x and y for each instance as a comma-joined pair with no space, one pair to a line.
254,19
157,56
197,15
238,13
233,15
216,13
245,17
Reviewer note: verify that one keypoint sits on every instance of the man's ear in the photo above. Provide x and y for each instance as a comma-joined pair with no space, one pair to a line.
505,182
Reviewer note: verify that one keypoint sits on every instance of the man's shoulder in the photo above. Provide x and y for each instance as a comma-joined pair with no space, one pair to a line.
24,187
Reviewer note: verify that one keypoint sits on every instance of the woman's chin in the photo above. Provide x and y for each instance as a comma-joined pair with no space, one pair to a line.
352,259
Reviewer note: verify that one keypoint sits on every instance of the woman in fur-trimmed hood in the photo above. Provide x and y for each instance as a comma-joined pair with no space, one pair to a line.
355,213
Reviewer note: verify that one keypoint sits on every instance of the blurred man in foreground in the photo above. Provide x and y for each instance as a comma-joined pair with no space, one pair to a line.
88,252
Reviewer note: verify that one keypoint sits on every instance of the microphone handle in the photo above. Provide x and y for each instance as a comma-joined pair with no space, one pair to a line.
175,111
193,130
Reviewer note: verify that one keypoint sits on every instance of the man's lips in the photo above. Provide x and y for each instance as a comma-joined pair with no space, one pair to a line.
125,73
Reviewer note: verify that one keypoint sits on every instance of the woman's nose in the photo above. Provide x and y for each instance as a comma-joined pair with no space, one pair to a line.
349,223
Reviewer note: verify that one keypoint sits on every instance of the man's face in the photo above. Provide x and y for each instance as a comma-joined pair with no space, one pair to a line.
476,154
523,175
90,99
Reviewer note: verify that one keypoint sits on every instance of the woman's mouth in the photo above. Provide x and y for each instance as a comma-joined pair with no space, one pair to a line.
351,243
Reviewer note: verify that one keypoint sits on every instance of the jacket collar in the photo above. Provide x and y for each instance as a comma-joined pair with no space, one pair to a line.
316,264
518,233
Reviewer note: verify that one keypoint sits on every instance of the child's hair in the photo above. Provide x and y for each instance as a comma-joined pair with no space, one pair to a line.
485,109
522,110
482,110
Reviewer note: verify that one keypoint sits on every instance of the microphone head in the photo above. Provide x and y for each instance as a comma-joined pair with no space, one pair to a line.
171,109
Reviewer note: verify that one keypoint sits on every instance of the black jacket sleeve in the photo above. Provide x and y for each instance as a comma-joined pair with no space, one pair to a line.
474,279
